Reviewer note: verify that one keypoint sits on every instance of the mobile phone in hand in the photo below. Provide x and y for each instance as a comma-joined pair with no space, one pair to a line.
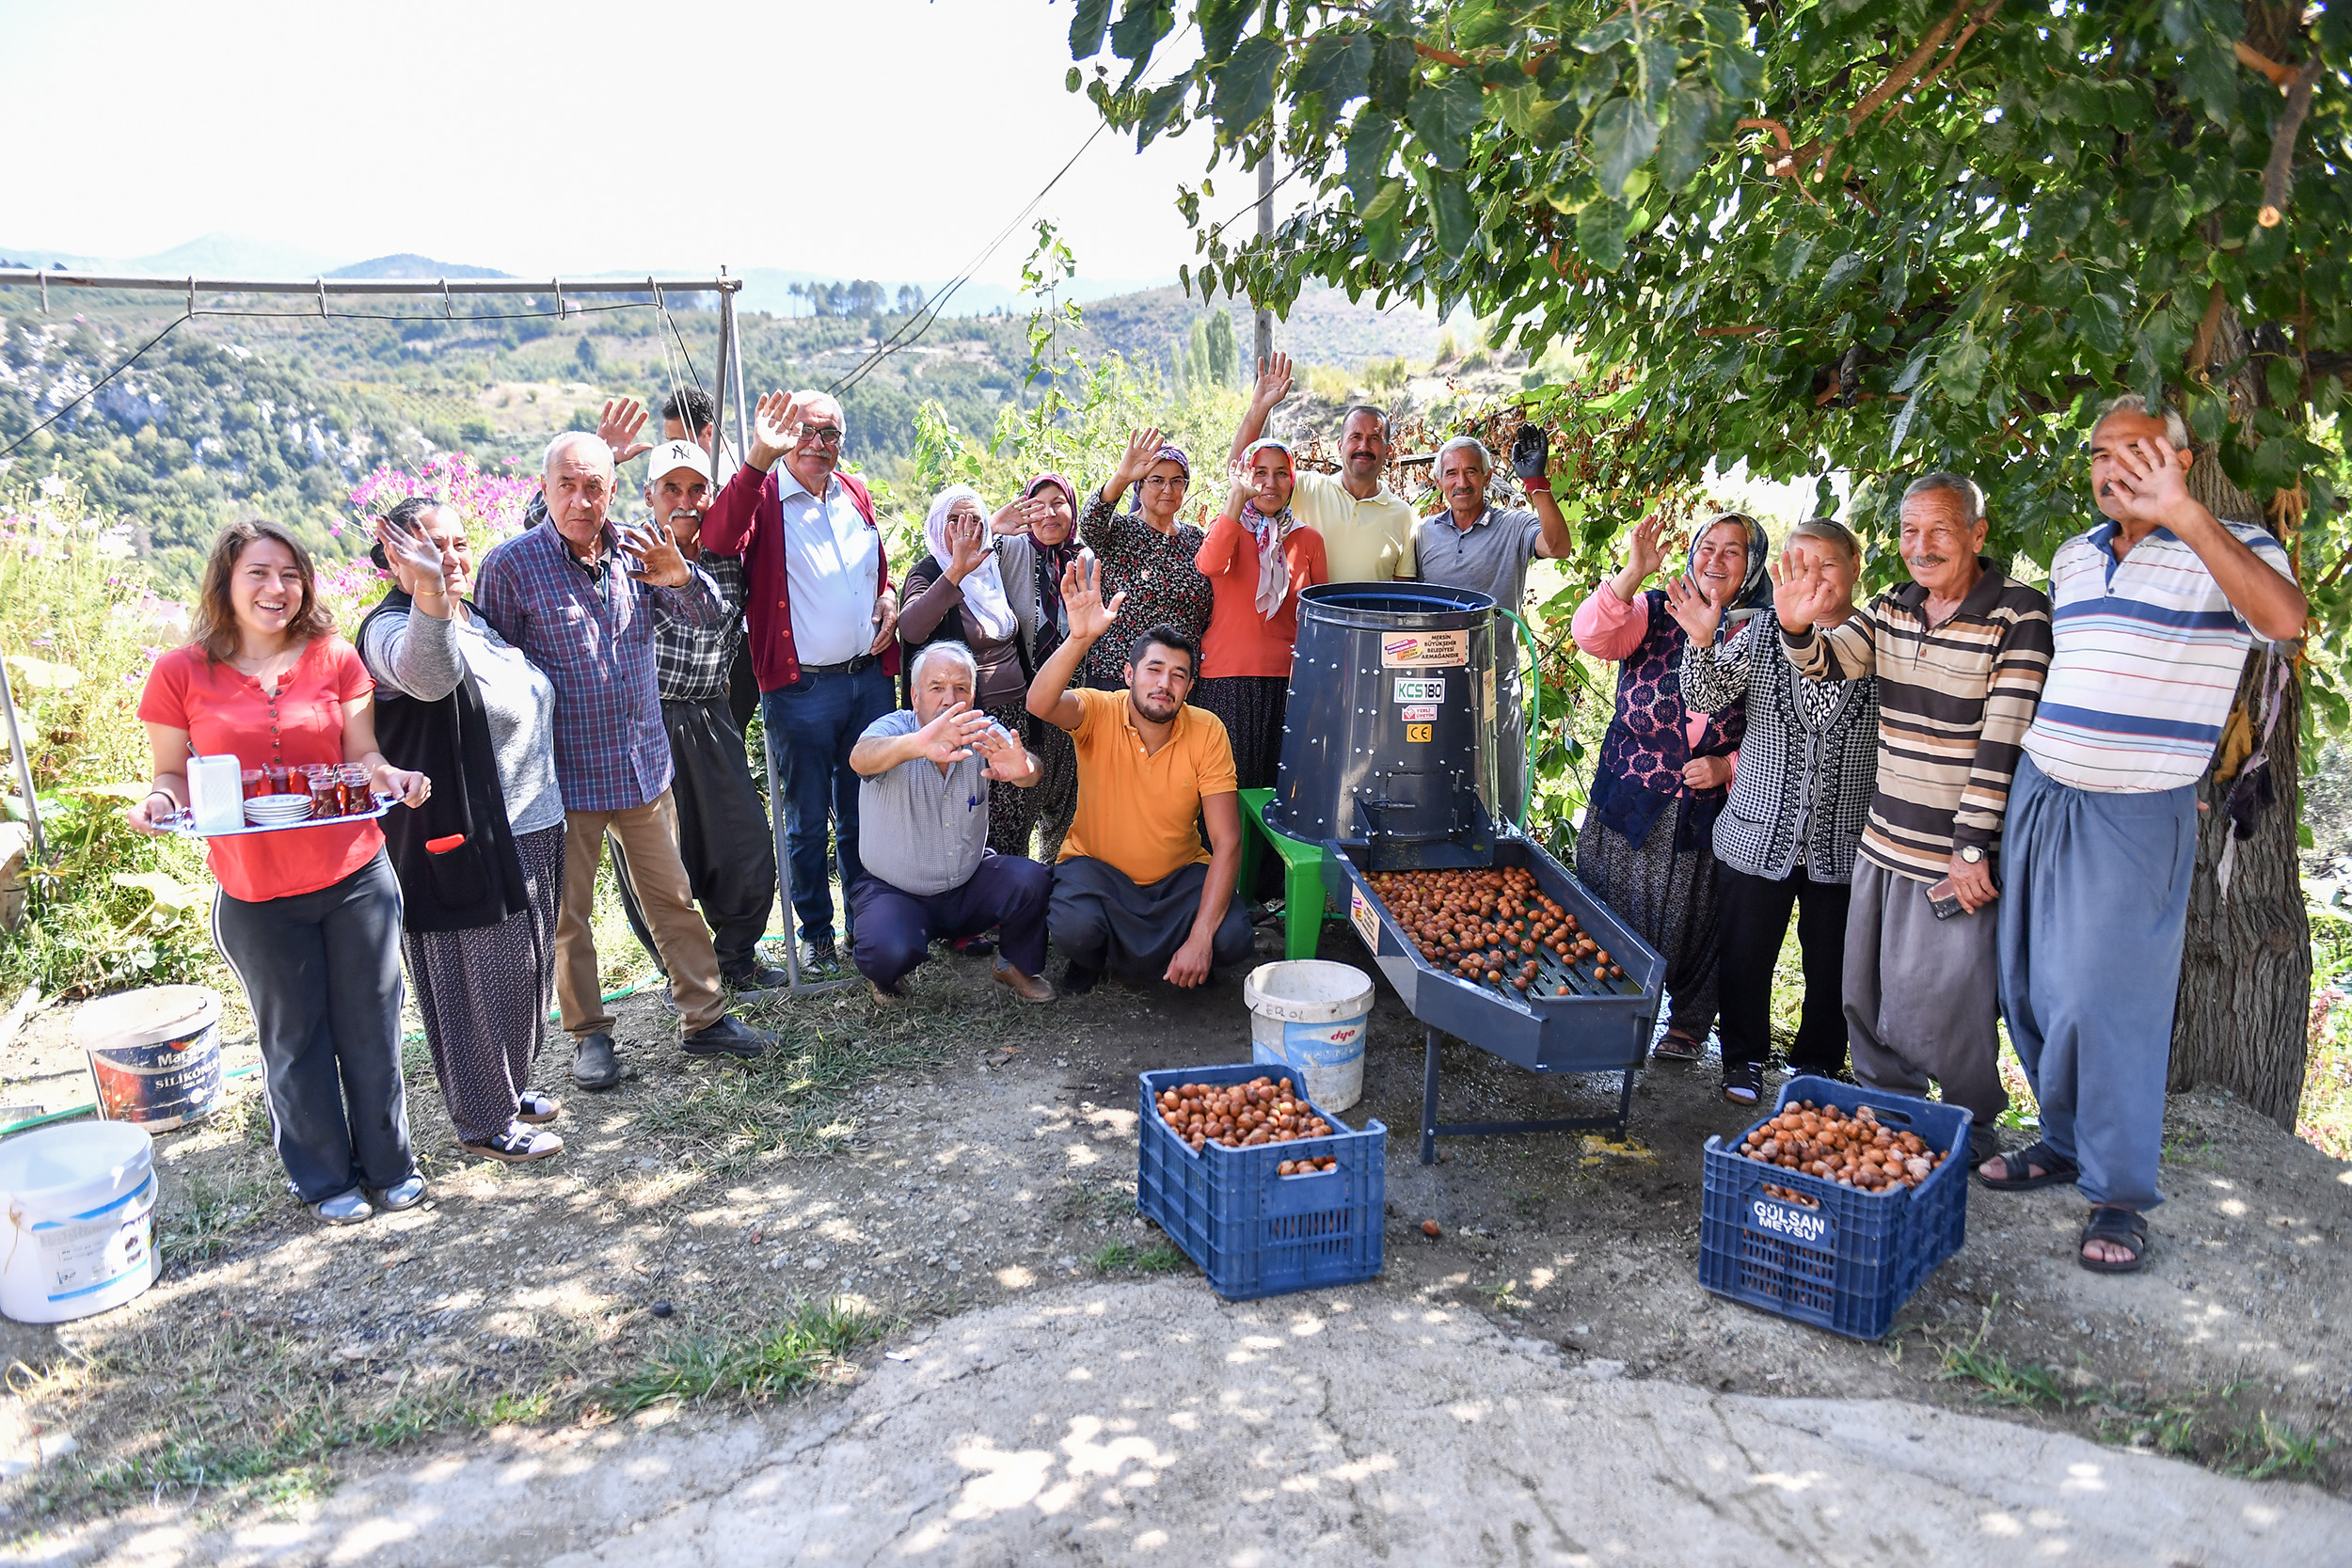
1944,899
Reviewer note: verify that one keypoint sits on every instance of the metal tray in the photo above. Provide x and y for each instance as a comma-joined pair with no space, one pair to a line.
182,825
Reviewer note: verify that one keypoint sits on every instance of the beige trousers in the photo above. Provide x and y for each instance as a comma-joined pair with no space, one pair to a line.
648,838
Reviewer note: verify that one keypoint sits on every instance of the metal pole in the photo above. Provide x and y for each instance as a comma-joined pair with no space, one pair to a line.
29,277
23,765
1266,231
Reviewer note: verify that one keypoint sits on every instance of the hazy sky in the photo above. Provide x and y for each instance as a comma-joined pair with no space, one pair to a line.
882,138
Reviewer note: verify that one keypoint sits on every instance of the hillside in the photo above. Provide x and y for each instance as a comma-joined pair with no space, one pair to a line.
238,411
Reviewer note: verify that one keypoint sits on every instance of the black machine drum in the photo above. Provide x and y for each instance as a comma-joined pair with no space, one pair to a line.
1390,738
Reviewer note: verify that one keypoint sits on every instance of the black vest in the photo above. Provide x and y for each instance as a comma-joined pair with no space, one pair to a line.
454,855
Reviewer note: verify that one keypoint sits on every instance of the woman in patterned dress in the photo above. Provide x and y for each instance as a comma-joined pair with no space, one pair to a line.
1145,553
1646,845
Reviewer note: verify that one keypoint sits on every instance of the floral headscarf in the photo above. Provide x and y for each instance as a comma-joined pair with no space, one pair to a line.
1274,575
1052,561
1755,589
1169,453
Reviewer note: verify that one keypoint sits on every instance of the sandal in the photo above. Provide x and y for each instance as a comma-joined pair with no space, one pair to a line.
2057,1170
1675,1045
534,1108
2118,1227
517,1145
1743,1082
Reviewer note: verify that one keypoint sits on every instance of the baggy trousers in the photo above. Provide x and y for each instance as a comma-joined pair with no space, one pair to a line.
1752,917
895,928
1103,920
722,835
814,726
2092,919
648,837
1923,996
321,972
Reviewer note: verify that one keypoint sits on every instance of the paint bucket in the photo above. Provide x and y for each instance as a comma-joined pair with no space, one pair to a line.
79,1203
1312,1017
154,1054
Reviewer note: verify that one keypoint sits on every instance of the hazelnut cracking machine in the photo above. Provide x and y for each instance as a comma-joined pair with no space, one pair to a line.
1396,754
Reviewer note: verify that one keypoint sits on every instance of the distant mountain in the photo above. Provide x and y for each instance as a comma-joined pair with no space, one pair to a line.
769,289
217,255
407,264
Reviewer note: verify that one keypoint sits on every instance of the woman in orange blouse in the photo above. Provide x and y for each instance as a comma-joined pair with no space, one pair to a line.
1257,557
309,919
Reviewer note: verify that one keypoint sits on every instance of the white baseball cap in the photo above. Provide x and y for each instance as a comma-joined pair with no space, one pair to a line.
670,456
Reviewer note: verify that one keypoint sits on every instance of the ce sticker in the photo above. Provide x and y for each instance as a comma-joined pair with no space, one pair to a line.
1418,732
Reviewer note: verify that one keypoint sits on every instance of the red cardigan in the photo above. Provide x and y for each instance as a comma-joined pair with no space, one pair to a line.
747,520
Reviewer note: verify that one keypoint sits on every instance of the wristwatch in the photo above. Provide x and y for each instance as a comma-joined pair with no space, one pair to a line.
1972,854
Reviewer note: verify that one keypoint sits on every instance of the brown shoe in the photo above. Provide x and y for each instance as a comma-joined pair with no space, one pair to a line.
1029,988
885,998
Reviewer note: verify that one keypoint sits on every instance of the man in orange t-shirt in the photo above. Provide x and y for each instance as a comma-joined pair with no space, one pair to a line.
1135,891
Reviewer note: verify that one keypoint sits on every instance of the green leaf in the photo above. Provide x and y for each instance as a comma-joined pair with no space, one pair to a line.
1456,220
1159,108
1607,35
2100,322
1960,369
1739,72
1842,272
1368,143
1903,428
42,676
1909,378
1600,234
1245,84
1393,65
1221,21
1337,67
1658,57
1624,135
1086,28
1443,115
1137,32
1691,112
2303,838
2283,377
166,890
1791,250
1383,222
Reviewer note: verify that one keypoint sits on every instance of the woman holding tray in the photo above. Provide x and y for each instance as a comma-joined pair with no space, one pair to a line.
309,918
481,867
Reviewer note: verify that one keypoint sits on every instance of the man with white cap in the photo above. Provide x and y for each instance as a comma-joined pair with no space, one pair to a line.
721,825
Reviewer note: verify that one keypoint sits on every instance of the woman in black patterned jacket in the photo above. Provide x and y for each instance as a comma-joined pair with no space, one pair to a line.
1800,800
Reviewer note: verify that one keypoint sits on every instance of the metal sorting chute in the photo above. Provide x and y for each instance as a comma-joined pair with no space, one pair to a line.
1390,759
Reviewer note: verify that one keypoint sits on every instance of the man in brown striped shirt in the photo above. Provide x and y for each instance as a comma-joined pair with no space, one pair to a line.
1960,654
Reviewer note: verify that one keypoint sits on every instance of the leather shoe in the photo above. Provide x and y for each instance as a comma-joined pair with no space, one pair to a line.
1078,979
758,975
727,1037
820,957
1029,988
594,1064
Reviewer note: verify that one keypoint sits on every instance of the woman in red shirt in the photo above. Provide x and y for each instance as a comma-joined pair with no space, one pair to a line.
1257,558
309,920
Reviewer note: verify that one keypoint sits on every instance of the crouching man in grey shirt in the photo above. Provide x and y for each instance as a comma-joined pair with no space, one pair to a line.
923,808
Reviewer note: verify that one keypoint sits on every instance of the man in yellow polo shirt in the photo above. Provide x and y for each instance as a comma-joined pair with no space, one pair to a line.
1367,527
1135,891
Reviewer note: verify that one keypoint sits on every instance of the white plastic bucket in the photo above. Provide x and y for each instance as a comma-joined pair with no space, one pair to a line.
1312,1017
154,1054
80,1208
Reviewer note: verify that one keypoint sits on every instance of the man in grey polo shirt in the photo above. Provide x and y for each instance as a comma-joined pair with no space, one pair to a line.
923,804
1475,545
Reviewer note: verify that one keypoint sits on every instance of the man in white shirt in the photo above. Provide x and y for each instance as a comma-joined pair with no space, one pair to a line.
1367,527
823,623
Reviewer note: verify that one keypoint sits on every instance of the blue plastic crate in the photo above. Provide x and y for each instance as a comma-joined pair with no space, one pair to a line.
1849,1265
1255,1232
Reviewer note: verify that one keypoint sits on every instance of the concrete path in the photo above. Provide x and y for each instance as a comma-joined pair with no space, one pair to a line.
1152,1424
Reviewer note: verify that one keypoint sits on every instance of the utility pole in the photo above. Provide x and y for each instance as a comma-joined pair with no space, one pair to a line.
1266,231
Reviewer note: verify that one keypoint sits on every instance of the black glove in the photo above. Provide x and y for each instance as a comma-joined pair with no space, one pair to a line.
1530,448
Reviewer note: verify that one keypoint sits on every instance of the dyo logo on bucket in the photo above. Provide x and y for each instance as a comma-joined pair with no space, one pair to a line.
1798,1224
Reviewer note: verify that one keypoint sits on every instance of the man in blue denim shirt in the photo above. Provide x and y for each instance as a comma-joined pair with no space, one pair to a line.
579,598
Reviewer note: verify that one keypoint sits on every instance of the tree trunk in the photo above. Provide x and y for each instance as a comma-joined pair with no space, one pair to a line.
2242,1019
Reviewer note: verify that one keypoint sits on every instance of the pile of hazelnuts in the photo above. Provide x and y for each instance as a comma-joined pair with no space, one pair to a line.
1489,926
1852,1150
1240,1115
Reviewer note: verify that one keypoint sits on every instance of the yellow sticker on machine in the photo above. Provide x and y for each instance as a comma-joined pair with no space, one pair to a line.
1424,650
1418,732
1367,920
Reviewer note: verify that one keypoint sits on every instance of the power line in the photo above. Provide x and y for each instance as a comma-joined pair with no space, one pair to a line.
922,321
176,324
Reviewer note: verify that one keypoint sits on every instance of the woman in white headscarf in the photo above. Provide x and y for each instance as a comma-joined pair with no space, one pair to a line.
977,587
1257,557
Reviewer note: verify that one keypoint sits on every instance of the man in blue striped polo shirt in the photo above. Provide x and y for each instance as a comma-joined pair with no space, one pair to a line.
2151,615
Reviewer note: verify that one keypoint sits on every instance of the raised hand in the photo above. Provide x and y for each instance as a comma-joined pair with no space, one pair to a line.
2149,485
1007,759
1802,592
1694,611
968,546
951,735
1274,381
1143,449
416,561
622,418
1082,598
775,421
660,562
1019,515
1647,554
